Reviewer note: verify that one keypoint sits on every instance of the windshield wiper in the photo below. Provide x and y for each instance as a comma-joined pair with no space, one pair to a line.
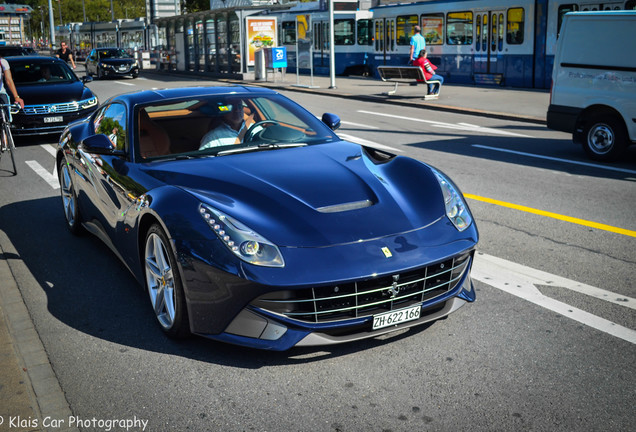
260,147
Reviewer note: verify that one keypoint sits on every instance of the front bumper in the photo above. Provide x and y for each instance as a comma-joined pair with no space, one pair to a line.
226,303
23,124
118,71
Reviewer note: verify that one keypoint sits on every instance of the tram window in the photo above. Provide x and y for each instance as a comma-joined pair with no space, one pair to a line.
493,36
364,32
514,33
459,28
288,32
563,9
433,29
343,32
405,26
501,28
478,33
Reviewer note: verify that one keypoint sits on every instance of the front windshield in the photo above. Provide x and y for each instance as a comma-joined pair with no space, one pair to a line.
226,124
42,72
114,54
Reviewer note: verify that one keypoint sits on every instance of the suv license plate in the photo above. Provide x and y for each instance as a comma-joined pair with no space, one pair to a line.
396,317
58,119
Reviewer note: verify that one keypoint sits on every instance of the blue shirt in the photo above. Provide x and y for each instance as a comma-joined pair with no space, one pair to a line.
418,41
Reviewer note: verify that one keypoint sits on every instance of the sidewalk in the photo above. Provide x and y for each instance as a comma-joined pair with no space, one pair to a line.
28,386
528,105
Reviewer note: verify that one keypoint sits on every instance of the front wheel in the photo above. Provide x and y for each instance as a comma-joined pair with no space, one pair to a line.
69,199
9,145
164,284
604,138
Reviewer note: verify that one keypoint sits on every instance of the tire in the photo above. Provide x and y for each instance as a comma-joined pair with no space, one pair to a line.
69,200
604,138
164,286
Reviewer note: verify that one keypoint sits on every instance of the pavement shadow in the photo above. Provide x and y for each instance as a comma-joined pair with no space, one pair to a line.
88,289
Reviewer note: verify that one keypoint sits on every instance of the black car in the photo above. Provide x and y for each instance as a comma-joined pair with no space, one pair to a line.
14,50
104,62
53,95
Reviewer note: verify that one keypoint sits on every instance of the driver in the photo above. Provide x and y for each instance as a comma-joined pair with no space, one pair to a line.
230,131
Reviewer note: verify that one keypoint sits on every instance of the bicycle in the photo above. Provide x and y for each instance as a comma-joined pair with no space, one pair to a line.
6,138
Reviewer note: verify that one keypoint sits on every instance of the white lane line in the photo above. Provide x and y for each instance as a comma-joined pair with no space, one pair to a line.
555,159
358,125
124,83
457,126
50,178
520,281
50,148
368,143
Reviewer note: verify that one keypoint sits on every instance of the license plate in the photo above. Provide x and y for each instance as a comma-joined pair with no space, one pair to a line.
396,317
57,119
122,68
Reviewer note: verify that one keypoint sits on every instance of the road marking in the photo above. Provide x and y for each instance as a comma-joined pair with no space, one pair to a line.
520,281
50,148
557,216
124,83
359,125
50,178
368,143
457,126
556,159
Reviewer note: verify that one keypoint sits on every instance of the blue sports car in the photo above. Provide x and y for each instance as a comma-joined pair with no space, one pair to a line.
249,221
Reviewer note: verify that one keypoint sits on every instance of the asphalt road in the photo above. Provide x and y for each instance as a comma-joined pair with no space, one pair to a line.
550,360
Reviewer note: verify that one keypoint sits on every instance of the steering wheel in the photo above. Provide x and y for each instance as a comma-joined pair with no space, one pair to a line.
250,134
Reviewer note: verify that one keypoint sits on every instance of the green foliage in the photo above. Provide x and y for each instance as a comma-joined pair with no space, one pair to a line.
73,11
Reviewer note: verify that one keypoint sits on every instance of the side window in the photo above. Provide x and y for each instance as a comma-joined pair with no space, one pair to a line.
289,32
516,26
111,121
459,28
405,26
364,32
344,32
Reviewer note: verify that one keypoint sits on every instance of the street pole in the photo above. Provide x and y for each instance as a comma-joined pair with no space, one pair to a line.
332,49
84,9
112,11
59,6
52,25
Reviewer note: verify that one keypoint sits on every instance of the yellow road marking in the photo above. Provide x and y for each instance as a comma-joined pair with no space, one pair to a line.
554,215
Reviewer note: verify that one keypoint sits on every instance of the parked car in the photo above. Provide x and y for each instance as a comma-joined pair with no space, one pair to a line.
593,94
283,236
108,62
52,94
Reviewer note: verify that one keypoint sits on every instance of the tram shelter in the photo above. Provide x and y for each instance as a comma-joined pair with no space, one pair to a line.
210,42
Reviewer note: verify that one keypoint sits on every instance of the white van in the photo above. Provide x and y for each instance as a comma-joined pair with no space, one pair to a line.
593,92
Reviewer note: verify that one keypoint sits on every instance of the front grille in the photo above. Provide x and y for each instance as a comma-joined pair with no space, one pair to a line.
368,297
60,108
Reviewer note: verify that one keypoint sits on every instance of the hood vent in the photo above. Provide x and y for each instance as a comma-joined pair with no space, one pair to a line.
338,208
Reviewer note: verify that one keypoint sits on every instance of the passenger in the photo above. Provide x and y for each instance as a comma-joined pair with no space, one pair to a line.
65,54
429,72
230,131
418,43
45,74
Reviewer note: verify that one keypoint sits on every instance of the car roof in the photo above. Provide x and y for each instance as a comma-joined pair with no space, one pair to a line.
164,95
33,58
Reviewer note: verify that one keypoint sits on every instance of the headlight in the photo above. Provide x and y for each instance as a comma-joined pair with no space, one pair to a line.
87,103
456,208
105,66
241,240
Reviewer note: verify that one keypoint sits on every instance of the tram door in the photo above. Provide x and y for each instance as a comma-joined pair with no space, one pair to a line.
384,45
489,42
321,44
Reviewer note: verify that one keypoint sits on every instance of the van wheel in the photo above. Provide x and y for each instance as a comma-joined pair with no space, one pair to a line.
604,138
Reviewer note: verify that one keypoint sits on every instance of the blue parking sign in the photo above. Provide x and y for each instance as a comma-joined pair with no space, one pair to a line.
279,57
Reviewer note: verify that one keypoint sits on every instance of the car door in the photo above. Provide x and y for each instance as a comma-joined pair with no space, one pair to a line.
91,61
112,193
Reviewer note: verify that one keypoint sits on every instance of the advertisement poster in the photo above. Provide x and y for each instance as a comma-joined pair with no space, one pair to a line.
432,30
261,33
303,41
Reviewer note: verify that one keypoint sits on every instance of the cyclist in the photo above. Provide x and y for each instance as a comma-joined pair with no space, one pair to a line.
65,54
5,72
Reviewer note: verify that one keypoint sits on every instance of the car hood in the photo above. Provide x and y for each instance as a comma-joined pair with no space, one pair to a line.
37,94
313,196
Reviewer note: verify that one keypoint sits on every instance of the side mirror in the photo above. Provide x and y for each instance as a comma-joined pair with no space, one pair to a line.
98,144
87,79
331,120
